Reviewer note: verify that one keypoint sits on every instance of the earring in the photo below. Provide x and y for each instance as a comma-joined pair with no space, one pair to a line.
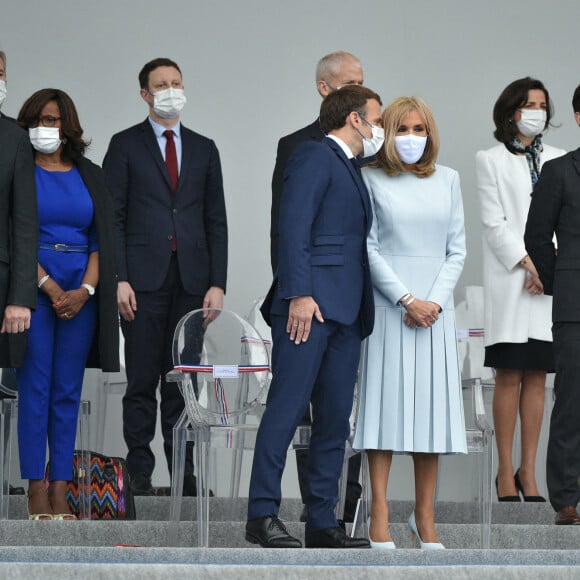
64,141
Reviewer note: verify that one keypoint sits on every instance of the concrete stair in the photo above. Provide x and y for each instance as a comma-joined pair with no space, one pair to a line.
525,544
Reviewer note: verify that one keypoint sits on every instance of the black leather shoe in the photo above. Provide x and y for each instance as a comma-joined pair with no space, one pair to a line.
304,514
270,532
334,538
141,485
190,486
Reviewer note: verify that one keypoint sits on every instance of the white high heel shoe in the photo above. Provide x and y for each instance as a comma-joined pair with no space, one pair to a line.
381,545
423,545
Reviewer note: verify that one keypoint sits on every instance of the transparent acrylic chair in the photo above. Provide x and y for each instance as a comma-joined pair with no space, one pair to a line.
479,433
222,366
9,412
301,438
476,377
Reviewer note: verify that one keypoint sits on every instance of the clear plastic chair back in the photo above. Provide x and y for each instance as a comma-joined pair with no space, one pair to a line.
225,366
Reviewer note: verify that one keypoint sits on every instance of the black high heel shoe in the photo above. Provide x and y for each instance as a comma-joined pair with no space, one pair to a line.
520,487
512,498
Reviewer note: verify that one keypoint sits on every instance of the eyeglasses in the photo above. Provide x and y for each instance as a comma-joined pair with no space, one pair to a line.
48,121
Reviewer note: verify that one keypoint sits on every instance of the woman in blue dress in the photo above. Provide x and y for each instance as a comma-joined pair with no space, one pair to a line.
410,399
76,298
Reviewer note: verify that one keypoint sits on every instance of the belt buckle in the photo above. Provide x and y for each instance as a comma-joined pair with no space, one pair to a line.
60,247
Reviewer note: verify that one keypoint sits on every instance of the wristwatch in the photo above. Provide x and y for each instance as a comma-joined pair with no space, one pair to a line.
90,289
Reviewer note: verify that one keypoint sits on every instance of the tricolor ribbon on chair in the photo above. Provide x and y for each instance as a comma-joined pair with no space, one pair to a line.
466,333
220,372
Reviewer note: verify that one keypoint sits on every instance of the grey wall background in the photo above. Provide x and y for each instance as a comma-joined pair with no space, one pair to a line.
248,68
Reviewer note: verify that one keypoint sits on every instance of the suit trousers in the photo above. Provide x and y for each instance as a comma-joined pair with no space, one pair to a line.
353,487
50,384
563,460
148,358
322,372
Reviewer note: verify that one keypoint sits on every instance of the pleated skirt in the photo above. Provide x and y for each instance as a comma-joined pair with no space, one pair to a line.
410,397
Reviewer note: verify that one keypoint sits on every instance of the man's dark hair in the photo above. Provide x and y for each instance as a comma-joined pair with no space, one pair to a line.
576,100
514,96
338,105
152,65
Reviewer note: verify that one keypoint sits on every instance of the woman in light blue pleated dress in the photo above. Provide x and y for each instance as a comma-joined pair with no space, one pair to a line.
410,399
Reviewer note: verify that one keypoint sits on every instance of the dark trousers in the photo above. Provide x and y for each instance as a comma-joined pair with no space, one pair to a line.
321,371
148,357
353,487
563,461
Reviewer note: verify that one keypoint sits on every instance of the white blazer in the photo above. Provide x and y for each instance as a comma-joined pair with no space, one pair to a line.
504,186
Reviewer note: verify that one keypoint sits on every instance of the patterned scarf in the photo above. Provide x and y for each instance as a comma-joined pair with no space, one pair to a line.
532,154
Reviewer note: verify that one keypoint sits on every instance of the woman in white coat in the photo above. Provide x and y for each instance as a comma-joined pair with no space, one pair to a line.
518,336
410,399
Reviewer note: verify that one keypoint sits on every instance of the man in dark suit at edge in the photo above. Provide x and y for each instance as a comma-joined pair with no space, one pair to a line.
333,71
555,208
171,237
20,146
320,307
3,85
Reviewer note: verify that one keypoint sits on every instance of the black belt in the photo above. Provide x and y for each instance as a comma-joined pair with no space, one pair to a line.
63,248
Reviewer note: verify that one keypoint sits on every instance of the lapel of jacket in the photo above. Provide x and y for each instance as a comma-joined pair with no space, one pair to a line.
576,158
86,176
89,178
187,150
364,194
153,147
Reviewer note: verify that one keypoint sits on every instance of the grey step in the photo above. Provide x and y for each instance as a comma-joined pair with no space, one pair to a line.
222,509
231,534
260,556
108,571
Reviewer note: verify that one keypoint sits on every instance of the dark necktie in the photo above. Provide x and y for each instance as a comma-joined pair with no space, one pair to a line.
171,159
356,164
171,164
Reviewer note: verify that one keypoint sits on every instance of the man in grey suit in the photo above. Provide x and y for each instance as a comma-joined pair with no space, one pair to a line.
555,208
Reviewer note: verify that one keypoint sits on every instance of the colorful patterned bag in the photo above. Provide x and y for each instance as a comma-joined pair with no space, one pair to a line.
110,484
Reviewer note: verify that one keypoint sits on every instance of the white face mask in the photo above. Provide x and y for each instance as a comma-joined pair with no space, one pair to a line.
45,139
373,145
2,91
169,102
410,147
532,122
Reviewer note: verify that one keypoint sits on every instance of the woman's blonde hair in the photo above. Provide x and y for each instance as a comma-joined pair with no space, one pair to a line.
393,116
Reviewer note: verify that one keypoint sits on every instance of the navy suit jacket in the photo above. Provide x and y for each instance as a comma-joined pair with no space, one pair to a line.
555,207
286,147
325,217
148,214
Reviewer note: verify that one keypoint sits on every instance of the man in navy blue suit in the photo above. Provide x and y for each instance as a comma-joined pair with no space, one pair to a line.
333,71
320,307
171,248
